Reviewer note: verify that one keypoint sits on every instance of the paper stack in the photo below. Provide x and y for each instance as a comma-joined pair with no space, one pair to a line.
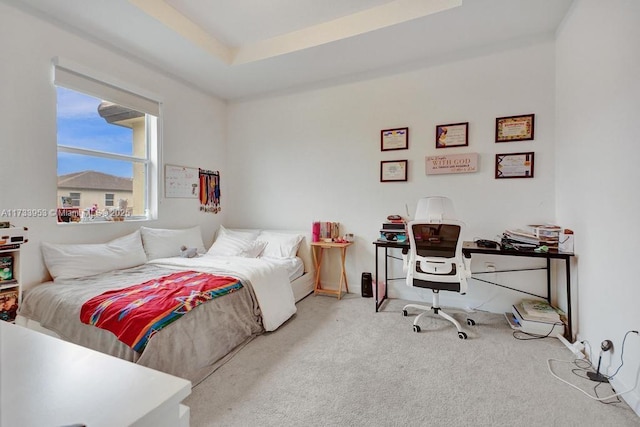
533,237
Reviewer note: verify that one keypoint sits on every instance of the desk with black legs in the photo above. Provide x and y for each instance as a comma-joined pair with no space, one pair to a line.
470,248
381,294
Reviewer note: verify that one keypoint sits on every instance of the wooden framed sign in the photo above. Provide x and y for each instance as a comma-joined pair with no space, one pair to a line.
515,128
514,165
453,135
393,170
394,139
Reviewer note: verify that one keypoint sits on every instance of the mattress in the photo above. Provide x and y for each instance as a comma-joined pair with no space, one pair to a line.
193,346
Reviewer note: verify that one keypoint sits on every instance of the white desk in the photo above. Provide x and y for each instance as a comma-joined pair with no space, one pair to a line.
45,381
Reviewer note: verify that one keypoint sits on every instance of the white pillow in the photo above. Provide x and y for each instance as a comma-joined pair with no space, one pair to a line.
229,245
70,261
242,234
280,245
165,243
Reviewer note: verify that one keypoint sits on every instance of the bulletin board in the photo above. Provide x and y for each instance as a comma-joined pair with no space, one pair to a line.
181,181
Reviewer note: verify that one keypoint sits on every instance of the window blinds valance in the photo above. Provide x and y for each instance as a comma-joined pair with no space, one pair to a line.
72,77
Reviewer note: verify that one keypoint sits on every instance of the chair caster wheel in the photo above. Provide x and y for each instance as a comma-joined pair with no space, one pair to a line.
471,322
462,335
405,313
416,328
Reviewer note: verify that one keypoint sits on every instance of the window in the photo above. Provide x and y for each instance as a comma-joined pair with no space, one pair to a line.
75,199
108,145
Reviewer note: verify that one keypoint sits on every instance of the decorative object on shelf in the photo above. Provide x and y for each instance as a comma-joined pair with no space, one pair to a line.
514,165
393,170
453,135
394,139
9,304
565,241
6,268
68,214
452,163
325,231
210,191
11,240
515,128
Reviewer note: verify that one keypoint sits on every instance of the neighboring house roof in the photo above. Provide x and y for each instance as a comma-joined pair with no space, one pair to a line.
95,180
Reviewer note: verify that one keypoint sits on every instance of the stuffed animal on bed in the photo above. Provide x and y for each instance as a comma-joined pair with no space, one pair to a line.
186,252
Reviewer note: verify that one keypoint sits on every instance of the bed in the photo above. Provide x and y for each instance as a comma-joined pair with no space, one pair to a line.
273,269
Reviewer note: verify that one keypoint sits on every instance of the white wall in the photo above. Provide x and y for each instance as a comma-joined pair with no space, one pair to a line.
316,156
598,105
194,133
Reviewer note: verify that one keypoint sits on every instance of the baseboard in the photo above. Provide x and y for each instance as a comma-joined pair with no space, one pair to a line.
632,398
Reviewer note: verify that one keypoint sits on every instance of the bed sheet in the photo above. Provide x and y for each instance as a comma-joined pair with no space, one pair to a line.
294,266
191,347
269,280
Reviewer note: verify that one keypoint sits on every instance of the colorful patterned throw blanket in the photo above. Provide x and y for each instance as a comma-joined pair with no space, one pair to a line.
135,313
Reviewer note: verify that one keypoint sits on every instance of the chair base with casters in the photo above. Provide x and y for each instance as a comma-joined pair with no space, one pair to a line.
436,310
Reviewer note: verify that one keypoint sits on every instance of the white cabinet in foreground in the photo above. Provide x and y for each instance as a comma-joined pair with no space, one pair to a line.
47,381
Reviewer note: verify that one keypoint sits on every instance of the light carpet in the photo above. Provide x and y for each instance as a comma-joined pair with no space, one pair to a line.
339,363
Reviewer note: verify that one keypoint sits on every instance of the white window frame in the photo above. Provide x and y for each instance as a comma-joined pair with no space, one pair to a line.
90,82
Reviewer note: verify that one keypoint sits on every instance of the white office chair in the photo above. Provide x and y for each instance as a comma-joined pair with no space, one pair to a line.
435,258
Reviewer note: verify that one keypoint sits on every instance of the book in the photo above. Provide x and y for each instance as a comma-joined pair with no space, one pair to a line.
6,268
531,309
8,305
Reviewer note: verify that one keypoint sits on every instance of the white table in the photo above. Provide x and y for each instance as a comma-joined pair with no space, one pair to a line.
45,381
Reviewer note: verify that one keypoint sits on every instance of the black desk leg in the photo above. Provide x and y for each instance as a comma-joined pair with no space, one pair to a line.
549,280
567,267
375,280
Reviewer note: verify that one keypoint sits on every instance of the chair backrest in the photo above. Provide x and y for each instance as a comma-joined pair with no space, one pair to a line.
435,258
434,209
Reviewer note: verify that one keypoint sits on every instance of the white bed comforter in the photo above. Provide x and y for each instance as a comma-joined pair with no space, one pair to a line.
270,282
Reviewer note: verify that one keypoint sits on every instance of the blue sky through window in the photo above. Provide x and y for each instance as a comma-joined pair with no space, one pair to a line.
80,125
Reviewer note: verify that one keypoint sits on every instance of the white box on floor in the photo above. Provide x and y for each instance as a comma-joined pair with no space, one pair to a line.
533,326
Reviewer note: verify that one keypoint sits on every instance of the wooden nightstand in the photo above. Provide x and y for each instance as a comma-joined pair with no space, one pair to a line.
318,250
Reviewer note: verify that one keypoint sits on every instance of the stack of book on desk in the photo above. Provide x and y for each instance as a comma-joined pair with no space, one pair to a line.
536,317
393,232
533,237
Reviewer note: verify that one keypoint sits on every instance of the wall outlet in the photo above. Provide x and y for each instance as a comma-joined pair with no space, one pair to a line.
489,267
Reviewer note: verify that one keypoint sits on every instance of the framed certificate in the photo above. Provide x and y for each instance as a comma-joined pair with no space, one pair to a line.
394,139
514,165
393,170
453,135
515,128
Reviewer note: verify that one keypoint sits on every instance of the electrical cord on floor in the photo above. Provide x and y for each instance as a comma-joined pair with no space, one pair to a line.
596,397
518,334
580,371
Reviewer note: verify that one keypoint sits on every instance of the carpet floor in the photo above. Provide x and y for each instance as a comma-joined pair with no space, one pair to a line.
339,363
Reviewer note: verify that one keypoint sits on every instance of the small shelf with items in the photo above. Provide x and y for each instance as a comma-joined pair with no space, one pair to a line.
11,240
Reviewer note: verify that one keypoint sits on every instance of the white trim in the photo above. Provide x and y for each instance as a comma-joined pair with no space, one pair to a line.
83,79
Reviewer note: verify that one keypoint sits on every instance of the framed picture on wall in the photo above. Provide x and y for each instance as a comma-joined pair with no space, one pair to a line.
393,170
453,135
514,165
394,139
515,128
